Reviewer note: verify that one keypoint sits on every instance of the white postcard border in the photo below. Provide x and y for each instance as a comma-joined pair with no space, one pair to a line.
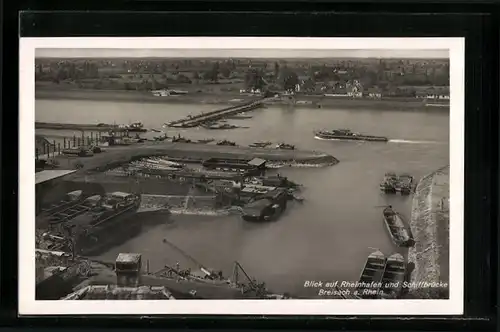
29,306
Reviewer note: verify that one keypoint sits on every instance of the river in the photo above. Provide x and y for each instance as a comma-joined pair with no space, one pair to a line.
329,236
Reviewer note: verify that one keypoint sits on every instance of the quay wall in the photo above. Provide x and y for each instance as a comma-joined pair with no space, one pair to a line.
429,258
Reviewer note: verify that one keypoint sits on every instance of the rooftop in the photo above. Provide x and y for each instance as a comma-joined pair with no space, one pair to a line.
257,162
48,175
112,292
128,257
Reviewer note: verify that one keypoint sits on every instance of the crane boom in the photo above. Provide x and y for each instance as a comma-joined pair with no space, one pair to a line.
185,254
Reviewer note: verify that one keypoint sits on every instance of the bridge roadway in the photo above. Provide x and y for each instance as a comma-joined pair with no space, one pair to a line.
196,120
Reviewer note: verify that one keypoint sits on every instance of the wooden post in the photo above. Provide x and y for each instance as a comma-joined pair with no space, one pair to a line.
58,148
64,142
79,142
36,154
91,137
74,140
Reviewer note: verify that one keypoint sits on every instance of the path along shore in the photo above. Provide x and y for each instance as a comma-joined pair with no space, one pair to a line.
430,226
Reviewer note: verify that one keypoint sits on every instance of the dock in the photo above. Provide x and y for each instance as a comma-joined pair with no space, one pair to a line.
194,121
119,155
84,127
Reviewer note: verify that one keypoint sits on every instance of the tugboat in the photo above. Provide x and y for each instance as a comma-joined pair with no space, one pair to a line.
393,277
226,142
260,144
397,228
371,276
347,134
284,146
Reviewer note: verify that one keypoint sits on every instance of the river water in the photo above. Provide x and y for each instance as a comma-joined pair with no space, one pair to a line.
330,234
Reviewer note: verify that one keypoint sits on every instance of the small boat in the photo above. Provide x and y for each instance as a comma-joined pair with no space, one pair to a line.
136,127
393,277
160,138
80,152
396,227
371,276
218,126
260,144
347,134
180,139
205,141
284,146
226,142
389,183
156,131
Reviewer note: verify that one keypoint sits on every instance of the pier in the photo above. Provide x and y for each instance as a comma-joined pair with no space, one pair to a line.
85,127
118,155
193,121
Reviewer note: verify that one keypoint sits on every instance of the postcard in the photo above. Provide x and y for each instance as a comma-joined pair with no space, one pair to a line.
255,176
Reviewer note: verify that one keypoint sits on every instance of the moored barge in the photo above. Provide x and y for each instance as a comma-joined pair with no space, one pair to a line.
393,277
397,228
371,276
99,225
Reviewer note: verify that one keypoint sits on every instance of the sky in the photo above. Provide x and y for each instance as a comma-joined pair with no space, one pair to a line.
239,53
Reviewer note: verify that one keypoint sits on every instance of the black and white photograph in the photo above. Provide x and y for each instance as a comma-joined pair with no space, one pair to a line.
318,171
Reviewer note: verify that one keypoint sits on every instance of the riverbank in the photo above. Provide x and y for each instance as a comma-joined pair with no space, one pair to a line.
308,101
430,226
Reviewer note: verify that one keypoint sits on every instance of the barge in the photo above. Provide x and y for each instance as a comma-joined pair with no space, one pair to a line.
393,277
393,183
397,228
348,135
100,224
371,276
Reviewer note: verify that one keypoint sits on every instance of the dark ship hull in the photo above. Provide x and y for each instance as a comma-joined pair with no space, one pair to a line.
397,228
118,227
266,208
103,225
335,136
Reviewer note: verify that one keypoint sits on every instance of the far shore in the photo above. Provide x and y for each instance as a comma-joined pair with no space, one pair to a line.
235,98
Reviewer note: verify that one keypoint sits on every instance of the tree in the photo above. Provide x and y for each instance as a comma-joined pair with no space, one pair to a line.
288,79
276,70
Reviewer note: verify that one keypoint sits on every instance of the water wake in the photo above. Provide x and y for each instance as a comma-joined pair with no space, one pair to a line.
326,139
278,165
404,141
